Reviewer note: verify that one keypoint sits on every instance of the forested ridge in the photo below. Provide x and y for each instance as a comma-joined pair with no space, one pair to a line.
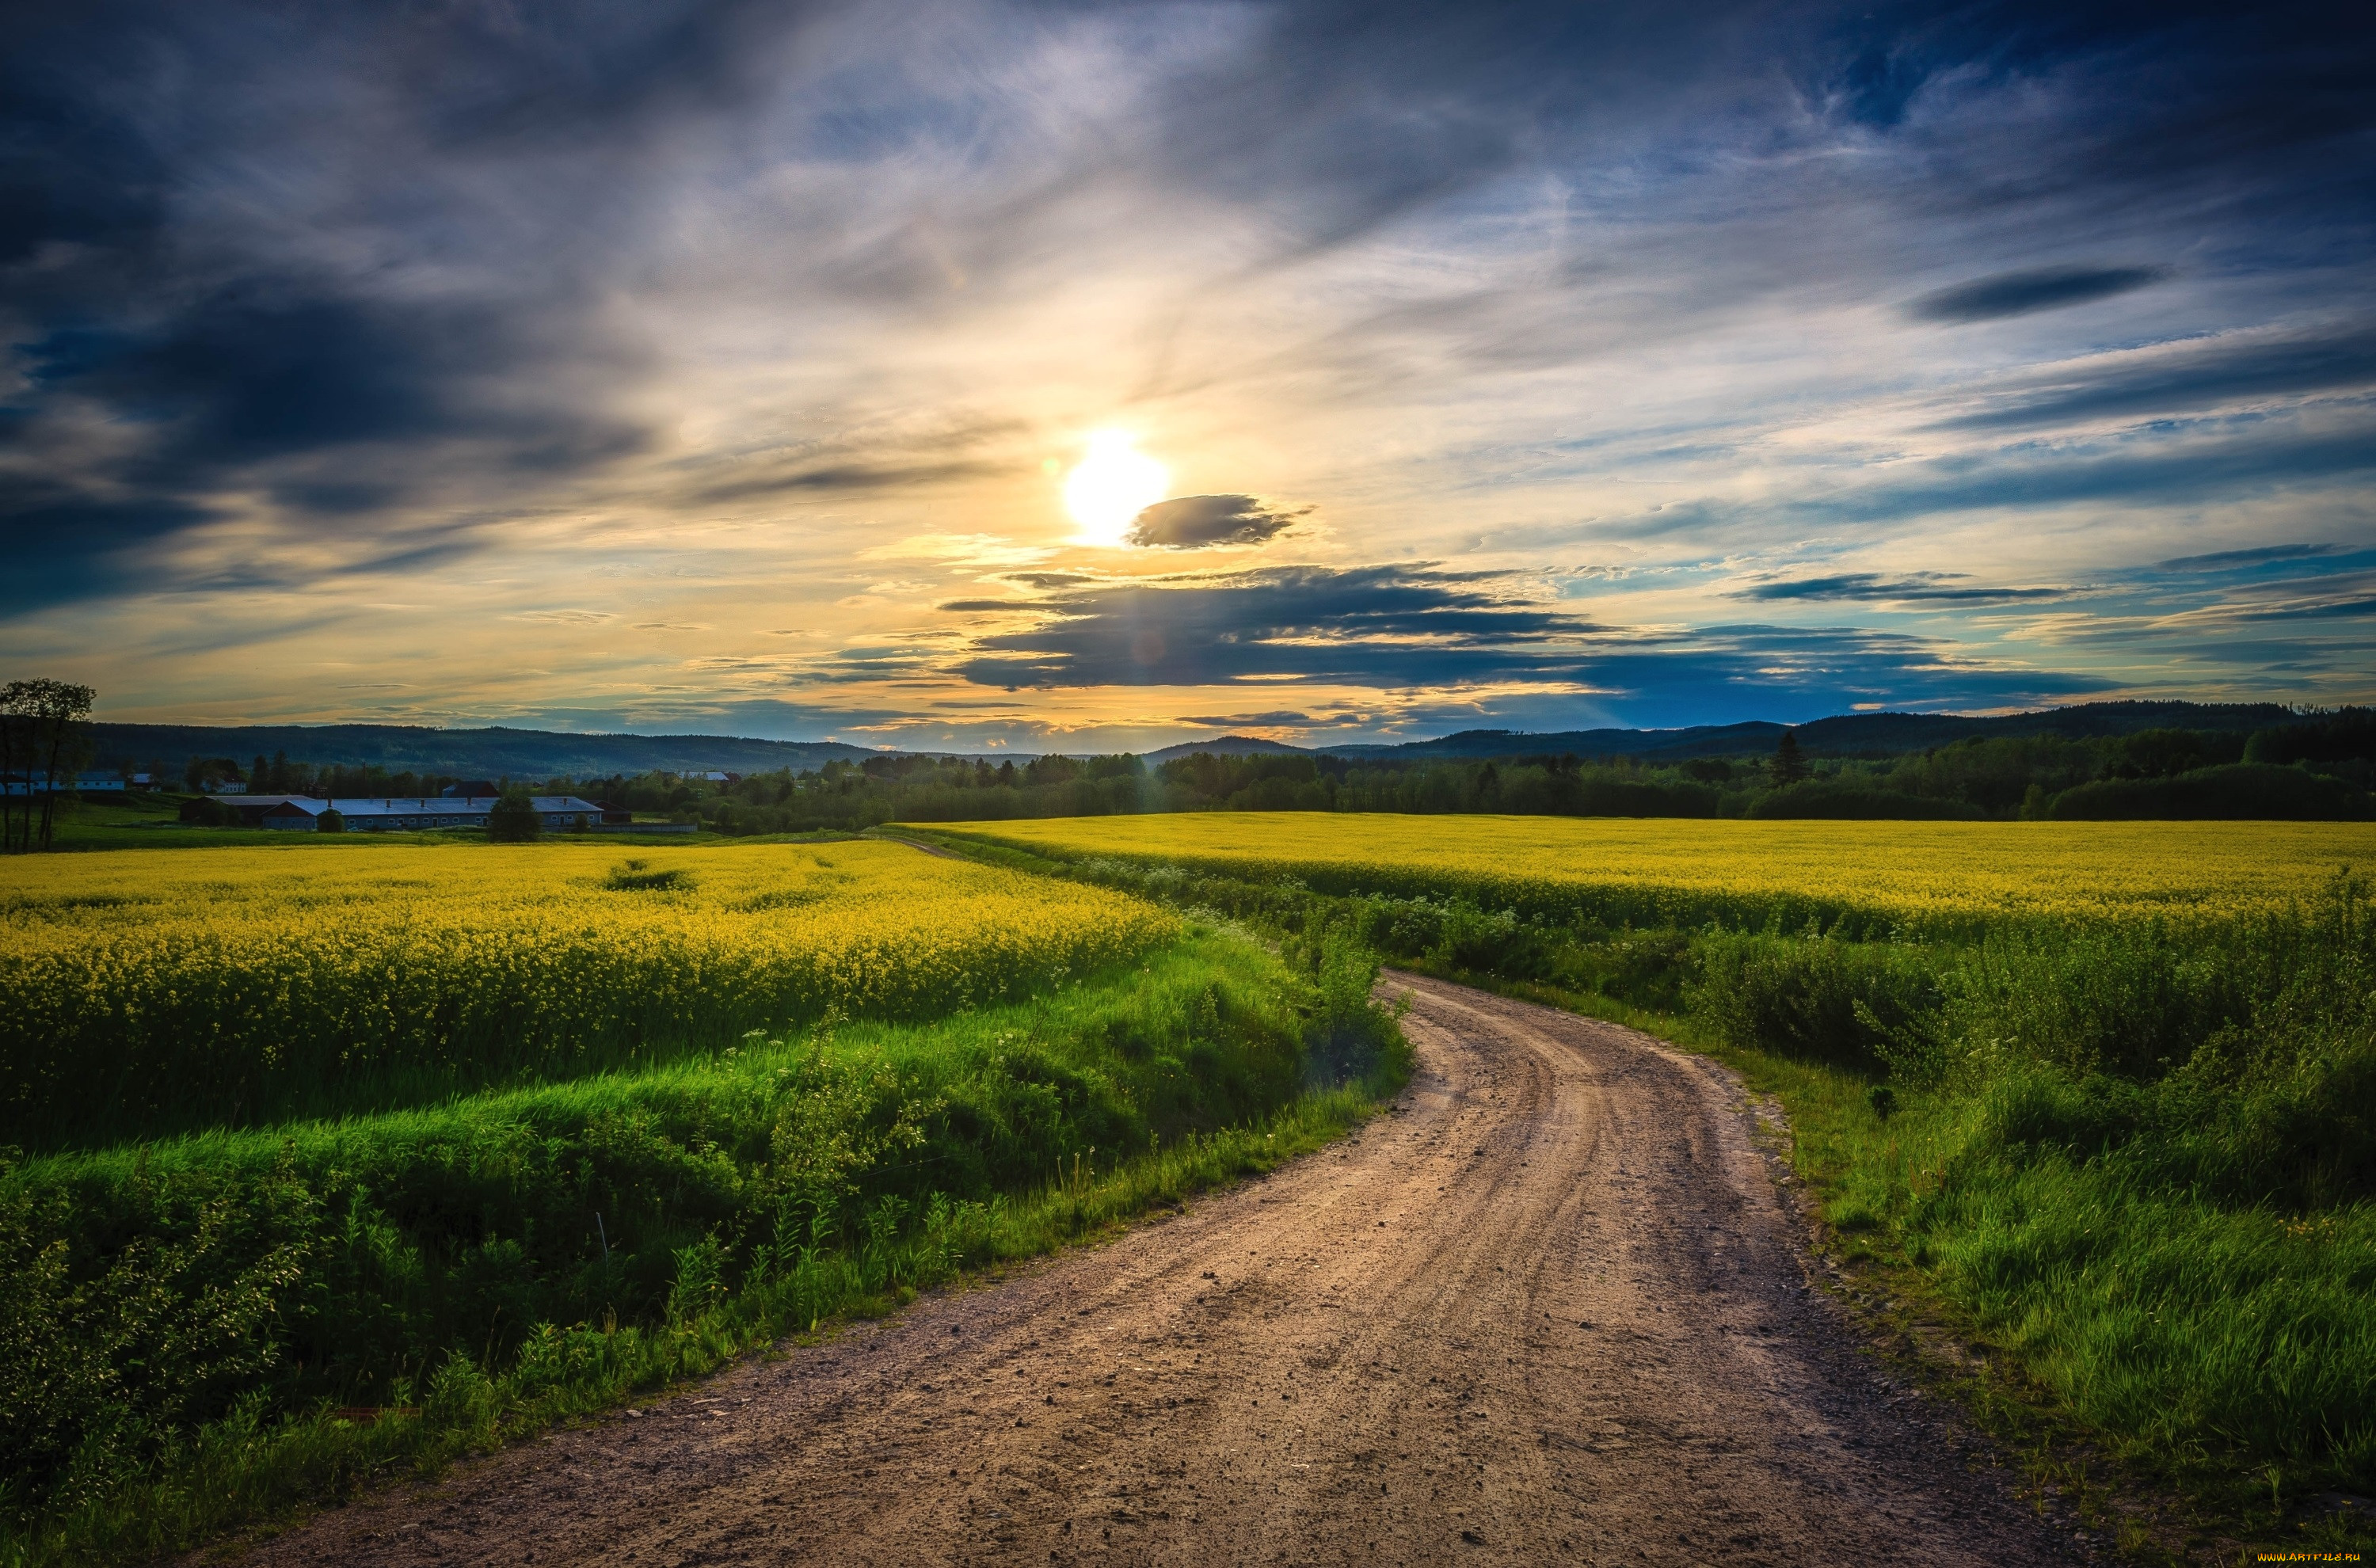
2316,769
2307,767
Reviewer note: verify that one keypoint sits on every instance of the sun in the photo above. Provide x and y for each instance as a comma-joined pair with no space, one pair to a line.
1113,484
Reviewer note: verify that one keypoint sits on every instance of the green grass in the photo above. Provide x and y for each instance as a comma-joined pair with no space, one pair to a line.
2135,1169
2061,1304
255,1464
139,821
186,1318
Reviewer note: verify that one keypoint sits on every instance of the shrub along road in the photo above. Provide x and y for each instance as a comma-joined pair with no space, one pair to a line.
1551,1310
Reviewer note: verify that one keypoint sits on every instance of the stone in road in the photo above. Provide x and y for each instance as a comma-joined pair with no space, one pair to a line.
1551,1310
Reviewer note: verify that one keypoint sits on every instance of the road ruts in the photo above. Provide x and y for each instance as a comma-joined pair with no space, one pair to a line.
1550,1311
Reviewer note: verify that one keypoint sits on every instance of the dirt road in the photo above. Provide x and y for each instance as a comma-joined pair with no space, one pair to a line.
1550,1311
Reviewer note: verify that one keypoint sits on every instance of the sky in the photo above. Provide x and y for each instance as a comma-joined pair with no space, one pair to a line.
1082,378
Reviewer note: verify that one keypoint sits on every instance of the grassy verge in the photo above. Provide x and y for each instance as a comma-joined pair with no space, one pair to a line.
205,1332
2020,1360
2121,1180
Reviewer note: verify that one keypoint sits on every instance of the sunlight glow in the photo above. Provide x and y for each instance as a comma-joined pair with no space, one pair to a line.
1112,486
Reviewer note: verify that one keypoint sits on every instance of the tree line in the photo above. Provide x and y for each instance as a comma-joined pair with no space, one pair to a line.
2320,769
276,775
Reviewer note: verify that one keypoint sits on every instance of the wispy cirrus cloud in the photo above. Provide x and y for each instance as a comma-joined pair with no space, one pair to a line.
2239,560
2184,377
1913,587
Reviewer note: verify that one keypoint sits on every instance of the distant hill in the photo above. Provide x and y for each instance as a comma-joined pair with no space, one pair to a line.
1225,745
544,753
484,754
1848,734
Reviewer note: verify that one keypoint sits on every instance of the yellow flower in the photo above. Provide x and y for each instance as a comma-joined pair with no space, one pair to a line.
1925,877
357,957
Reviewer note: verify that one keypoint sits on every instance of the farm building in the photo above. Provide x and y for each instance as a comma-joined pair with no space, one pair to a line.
251,808
81,783
379,813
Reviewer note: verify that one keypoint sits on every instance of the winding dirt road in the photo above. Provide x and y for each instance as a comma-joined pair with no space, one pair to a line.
1550,1310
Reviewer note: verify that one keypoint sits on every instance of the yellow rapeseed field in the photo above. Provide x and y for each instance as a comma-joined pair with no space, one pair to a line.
278,976
1940,877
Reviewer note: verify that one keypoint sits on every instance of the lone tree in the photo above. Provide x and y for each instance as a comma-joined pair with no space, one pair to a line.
1788,765
513,819
40,732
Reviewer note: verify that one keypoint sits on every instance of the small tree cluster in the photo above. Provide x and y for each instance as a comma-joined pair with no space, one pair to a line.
513,819
41,741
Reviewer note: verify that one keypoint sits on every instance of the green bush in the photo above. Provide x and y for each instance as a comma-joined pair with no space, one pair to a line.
514,820
2244,790
2346,735
2134,1001
1598,794
1842,799
1816,998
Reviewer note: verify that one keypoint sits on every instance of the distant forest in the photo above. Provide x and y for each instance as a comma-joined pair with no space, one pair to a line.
2318,769
2318,766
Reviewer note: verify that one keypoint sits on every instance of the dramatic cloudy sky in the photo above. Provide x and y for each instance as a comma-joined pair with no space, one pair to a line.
724,366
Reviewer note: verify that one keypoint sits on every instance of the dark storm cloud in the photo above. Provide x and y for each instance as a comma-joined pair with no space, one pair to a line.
1375,625
2185,89
1918,587
1413,627
67,546
1193,522
2018,293
274,367
153,293
257,388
